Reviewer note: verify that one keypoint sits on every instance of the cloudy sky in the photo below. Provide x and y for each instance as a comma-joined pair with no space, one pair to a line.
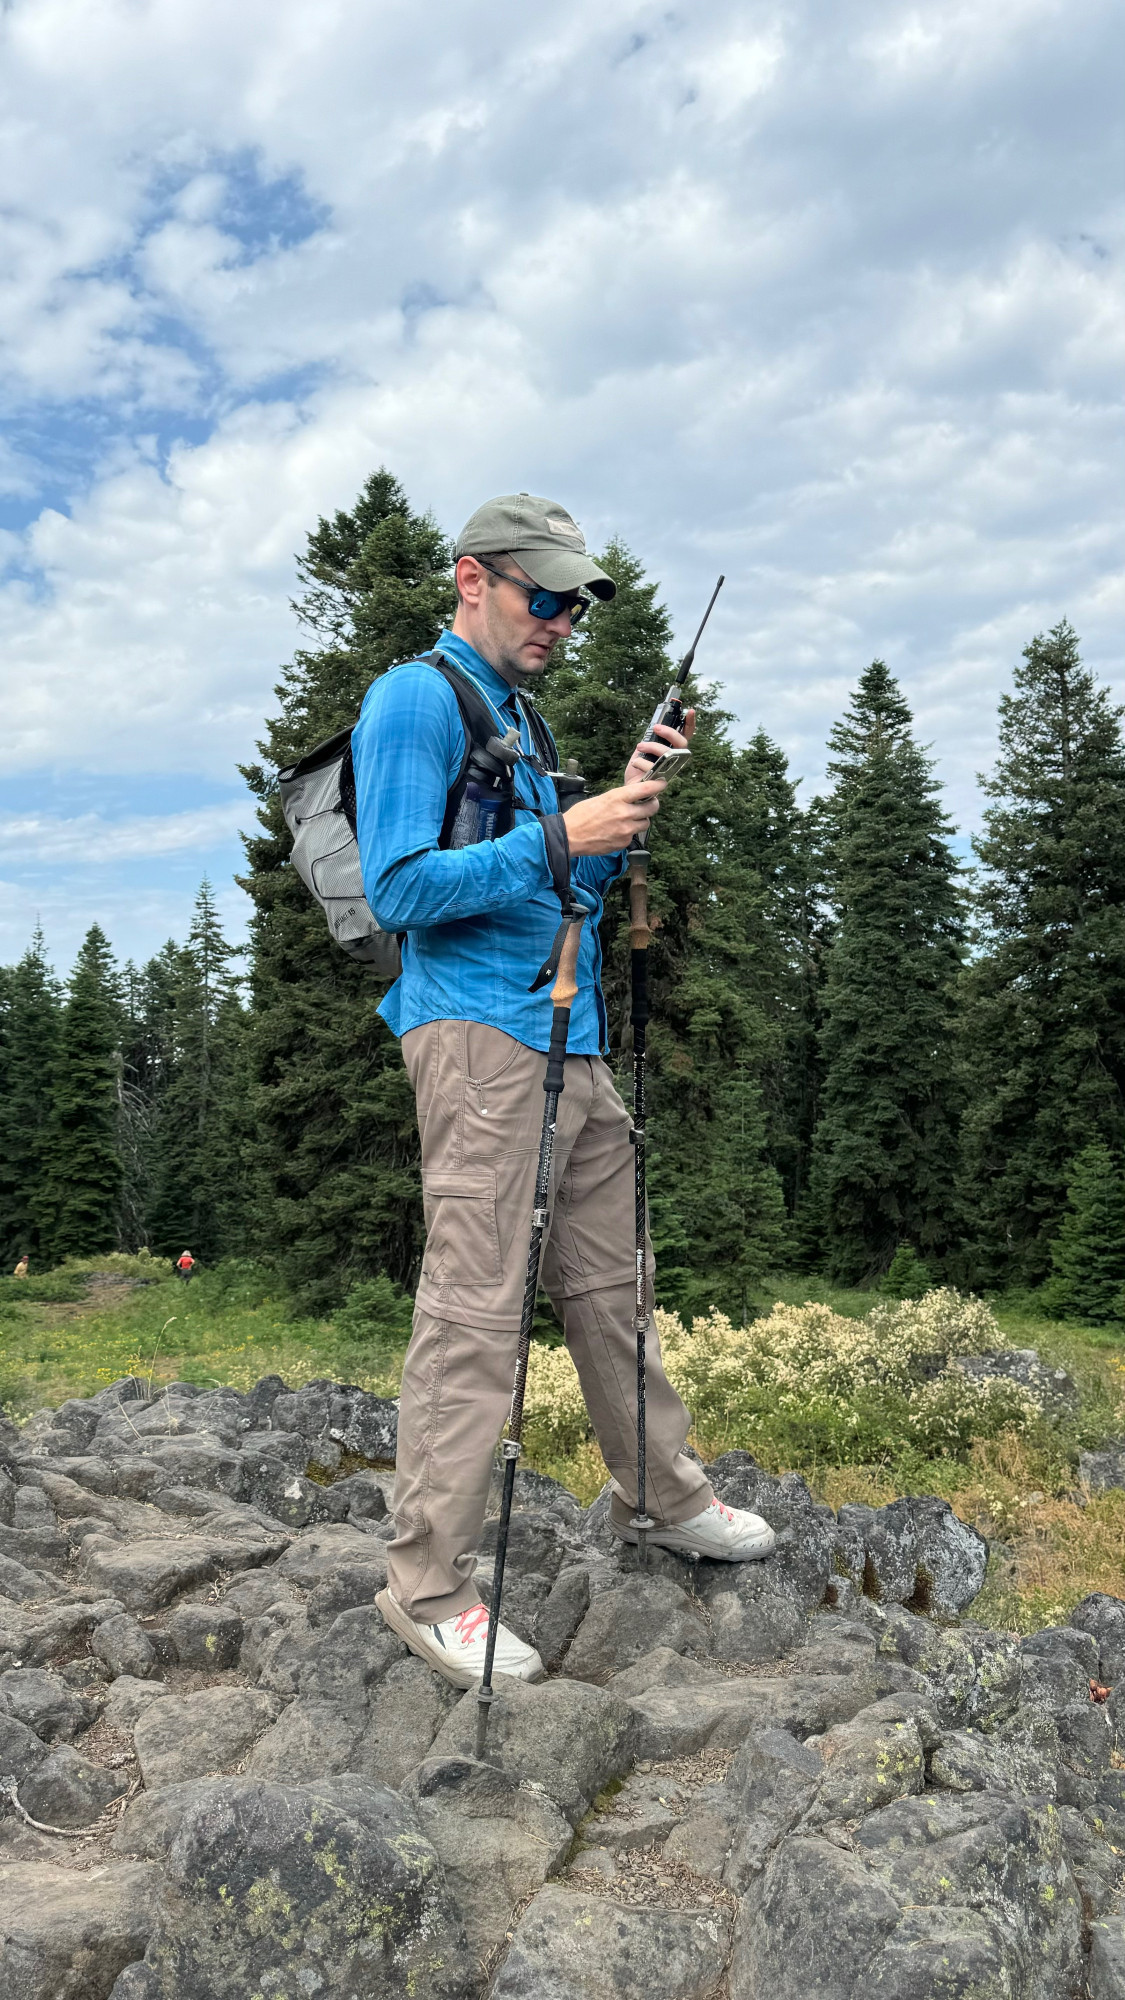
827,297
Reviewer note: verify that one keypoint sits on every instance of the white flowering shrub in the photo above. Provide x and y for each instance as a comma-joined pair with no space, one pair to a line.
814,1384
555,1419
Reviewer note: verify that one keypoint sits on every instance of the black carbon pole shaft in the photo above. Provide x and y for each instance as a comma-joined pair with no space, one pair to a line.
639,937
562,999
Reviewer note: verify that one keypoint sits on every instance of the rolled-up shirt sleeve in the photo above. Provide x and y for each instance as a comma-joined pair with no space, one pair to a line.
407,749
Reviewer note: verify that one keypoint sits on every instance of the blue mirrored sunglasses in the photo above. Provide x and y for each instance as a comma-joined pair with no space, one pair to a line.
572,604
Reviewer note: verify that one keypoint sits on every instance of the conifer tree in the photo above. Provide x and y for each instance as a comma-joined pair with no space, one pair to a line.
146,1036
31,1011
884,1151
908,1277
781,843
334,1146
1088,1254
199,1182
1044,1020
77,1199
716,1204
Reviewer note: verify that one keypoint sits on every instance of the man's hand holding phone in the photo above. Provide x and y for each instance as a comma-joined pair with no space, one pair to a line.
613,820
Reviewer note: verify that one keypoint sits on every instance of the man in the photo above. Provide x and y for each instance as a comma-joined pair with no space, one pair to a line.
185,1265
478,923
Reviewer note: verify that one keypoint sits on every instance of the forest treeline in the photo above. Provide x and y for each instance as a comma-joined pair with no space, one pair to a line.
865,1056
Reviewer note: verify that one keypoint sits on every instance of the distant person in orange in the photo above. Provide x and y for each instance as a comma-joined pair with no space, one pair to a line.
21,1268
185,1265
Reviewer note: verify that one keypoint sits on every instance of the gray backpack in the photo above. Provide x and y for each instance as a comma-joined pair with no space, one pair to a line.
318,800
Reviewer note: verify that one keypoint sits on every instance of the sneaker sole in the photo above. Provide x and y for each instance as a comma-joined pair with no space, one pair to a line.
663,1540
435,1656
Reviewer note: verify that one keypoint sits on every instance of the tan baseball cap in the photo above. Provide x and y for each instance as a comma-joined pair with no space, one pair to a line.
542,537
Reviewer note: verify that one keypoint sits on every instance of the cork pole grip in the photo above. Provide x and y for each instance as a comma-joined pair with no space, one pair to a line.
565,988
639,932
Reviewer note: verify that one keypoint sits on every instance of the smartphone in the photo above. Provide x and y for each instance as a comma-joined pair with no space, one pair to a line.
669,764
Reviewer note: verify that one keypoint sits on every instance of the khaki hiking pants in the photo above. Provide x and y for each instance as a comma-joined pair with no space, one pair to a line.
480,1114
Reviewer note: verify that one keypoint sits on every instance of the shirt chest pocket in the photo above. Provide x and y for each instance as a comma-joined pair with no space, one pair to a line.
462,1241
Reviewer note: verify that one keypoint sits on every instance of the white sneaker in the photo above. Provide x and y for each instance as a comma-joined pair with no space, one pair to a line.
724,1534
455,1647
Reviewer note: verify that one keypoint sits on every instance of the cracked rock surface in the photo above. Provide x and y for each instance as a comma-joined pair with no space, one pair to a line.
812,1776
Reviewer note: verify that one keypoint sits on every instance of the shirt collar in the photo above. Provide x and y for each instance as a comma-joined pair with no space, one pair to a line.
495,686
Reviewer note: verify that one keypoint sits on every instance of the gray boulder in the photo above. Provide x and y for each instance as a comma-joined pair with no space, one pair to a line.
497,1841
1103,1470
570,1946
360,1496
66,1936
945,1954
564,1736
622,1625
146,1575
152,1820
1103,1617
1052,1388
123,1646
758,1610
206,1635
45,1704
1107,1959
329,1890
1006,1860
561,1614
311,1739
66,1789
362,1424
976,1675
317,1555
812,1924
875,1758
189,1736
771,1785
1017,1759
917,1552
128,1699
674,1721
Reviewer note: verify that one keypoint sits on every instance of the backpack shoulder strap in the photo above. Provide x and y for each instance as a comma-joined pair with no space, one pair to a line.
541,736
479,724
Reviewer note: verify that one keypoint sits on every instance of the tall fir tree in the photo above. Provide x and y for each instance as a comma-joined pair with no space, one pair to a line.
199,1191
716,1204
148,998
885,1146
1088,1255
31,1013
781,843
1044,1017
77,1201
335,1146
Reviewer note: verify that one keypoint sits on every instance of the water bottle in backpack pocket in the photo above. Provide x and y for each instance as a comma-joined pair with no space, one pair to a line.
485,811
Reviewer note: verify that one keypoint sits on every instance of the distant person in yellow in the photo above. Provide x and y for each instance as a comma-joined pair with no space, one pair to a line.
21,1268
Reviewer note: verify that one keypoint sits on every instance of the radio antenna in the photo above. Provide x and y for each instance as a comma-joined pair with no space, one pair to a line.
684,667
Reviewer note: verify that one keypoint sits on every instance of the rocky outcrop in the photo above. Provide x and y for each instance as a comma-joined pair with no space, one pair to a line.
809,1776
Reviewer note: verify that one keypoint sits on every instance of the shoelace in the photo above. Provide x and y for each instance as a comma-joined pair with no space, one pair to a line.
470,1622
726,1512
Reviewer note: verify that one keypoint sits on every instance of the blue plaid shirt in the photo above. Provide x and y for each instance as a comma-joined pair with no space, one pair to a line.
478,920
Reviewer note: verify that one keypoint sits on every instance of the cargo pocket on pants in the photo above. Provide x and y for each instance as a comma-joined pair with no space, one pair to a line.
462,1241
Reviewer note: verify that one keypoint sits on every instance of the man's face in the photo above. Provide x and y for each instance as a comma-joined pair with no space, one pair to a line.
494,617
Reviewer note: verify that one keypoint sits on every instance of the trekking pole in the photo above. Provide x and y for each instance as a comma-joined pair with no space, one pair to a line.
670,711
562,999
639,936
